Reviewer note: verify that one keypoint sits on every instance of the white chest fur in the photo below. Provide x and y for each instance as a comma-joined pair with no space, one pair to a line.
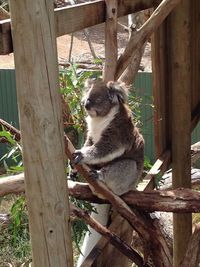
96,125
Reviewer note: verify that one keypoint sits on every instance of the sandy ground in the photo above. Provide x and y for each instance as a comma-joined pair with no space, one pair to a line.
81,50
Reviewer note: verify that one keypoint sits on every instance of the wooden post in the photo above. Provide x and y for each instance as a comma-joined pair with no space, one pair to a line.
172,94
195,42
110,41
180,59
42,131
161,91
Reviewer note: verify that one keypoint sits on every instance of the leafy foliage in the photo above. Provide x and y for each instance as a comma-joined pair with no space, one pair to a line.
147,163
15,239
12,159
72,82
135,105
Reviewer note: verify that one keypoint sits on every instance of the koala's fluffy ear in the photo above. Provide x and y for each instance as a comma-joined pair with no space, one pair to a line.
118,92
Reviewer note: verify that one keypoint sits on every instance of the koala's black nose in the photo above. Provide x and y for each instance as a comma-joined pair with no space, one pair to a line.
88,104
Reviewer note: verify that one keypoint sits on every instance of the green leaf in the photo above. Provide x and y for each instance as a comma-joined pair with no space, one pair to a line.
8,136
79,228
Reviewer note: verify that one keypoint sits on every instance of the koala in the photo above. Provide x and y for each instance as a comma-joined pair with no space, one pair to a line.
114,148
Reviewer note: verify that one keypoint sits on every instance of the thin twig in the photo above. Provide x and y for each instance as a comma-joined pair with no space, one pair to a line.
14,131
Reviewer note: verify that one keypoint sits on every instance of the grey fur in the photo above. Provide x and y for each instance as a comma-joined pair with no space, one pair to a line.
114,147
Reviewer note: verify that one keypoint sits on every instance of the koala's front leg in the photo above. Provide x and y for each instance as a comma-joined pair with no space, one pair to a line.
85,155
98,153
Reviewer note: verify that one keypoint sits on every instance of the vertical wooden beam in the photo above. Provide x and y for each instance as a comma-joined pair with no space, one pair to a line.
161,90
42,132
110,41
180,65
171,48
195,42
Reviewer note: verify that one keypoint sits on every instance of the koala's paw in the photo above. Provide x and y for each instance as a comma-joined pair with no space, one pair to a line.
97,174
94,174
77,157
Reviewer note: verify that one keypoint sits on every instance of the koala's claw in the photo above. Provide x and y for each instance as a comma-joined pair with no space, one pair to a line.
94,174
77,157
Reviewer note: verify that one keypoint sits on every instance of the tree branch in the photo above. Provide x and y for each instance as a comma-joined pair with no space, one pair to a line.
192,256
179,200
111,237
149,232
14,131
160,167
102,243
138,39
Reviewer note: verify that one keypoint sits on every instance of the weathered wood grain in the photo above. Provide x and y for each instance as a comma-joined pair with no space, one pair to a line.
161,91
111,51
195,54
138,39
41,127
75,18
180,200
71,19
180,70
192,256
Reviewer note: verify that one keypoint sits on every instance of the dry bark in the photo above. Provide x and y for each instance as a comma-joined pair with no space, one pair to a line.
141,36
135,22
154,171
110,41
4,14
192,256
179,200
108,234
143,226
112,238
14,131
102,243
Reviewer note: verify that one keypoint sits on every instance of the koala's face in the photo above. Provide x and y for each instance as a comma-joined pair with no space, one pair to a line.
97,100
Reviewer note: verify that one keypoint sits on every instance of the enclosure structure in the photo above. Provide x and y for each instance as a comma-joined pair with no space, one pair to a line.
177,104
176,61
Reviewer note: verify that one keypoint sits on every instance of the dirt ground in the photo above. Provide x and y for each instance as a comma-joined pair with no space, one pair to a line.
81,50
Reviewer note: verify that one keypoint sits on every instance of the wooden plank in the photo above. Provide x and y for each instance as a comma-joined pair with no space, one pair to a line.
75,18
180,82
42,131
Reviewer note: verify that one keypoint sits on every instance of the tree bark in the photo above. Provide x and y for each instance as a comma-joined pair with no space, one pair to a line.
140,37
113,239
110,41
192,256
41,125
179,200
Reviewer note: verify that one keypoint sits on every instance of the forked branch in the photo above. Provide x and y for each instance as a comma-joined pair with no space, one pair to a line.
138,38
